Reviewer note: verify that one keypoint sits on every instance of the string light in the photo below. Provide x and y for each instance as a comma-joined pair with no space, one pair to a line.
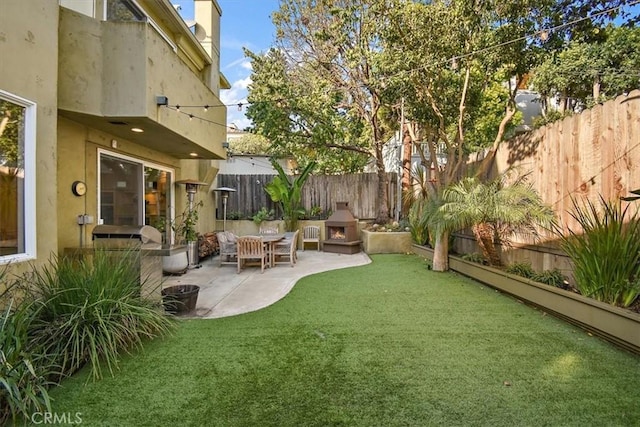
193,116
543,34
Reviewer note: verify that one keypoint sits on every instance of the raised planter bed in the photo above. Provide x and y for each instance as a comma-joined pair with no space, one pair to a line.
617,325
386,242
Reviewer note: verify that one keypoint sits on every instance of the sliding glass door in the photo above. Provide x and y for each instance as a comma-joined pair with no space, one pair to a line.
134,192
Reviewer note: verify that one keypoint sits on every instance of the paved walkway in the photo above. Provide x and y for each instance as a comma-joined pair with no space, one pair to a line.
224,292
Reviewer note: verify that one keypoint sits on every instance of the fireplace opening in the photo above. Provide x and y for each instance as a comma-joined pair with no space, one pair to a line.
337,233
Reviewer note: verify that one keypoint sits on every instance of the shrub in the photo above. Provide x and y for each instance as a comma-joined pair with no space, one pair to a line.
24,369
475,257
522,269
606,252
418,224
552,277
92,310
263,215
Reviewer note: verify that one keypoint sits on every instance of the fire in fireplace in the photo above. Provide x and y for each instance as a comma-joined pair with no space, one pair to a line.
337,233
342,231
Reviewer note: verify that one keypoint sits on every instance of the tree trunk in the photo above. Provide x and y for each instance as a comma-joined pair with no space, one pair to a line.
484,237
383,206
406,169
441,252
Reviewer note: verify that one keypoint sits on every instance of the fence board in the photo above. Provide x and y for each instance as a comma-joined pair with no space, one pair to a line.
323,191
587,155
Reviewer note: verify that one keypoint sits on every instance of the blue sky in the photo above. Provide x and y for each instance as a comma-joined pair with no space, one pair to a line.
244,23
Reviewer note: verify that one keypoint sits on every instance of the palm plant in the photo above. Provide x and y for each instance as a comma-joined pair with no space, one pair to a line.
606,252
289,194
91,311
418,198
492,210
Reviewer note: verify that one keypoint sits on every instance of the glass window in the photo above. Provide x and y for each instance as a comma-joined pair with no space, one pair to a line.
17,177
157,198
124,10
133,192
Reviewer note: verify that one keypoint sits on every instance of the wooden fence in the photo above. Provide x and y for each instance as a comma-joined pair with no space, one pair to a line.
322,191
585,156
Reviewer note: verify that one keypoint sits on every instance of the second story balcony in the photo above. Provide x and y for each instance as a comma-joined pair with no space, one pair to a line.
112,73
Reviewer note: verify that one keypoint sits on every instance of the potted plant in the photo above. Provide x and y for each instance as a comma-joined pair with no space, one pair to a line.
184,227
182,299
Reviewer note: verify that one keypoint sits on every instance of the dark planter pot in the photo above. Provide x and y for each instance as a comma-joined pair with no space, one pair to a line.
180,299
617,325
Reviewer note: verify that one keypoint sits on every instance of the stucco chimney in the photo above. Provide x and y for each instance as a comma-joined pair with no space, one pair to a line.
207,15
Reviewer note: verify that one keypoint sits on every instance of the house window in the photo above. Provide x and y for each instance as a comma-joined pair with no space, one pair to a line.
124,10
17,178
133,192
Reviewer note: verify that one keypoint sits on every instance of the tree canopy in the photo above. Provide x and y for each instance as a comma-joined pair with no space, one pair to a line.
343,73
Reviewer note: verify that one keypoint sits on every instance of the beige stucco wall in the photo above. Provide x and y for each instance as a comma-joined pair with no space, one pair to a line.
116,69
28,68
82,144
66,151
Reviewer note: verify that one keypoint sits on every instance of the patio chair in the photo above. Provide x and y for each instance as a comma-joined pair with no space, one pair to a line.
252,248
284,252
228,247
269,230
311,234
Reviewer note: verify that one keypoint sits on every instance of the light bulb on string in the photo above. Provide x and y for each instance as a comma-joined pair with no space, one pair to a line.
240,106
190,117
206,108
177,108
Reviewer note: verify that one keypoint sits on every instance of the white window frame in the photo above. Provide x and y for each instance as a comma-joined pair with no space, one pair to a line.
144,164
27,220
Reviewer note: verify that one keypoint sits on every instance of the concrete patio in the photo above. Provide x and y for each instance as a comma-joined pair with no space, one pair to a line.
224,292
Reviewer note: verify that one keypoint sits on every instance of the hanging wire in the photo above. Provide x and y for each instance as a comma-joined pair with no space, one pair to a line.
543,34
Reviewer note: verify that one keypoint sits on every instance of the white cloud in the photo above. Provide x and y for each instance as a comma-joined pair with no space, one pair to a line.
237,95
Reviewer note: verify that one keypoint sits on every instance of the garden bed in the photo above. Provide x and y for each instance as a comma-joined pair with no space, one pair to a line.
386,242
617,325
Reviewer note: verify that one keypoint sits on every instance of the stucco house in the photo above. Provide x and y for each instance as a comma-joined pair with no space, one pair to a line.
90,128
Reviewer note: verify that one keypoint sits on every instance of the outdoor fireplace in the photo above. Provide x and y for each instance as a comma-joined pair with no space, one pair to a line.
342,231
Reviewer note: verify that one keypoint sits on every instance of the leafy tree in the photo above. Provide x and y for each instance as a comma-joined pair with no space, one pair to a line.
250,143
323,83
300,124
586,73
458,65
289,194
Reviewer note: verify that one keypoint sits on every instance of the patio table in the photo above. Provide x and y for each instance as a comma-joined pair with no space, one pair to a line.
270,240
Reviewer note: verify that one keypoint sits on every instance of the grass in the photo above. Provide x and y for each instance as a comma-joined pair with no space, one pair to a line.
386,344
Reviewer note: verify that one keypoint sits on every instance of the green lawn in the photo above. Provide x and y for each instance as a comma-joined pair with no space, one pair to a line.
386,344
